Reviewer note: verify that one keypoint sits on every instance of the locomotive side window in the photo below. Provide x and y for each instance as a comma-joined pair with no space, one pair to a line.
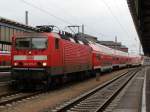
56,43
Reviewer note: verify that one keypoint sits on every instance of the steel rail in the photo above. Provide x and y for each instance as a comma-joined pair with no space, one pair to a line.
72,104
109,100
14,97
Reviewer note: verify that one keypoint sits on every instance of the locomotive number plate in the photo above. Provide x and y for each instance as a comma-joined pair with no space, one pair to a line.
29,57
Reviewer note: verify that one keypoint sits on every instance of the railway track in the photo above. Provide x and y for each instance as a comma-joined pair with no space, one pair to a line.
8,94
5,77
18,96
15,96
99,98
5,83
5,68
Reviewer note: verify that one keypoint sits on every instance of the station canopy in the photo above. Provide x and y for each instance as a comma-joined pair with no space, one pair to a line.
140,11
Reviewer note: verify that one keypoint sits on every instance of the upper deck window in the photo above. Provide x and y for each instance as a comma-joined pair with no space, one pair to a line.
72,40
80,42
31,43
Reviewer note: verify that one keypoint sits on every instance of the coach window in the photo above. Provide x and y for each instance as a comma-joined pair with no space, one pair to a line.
72,40
80,42
56,43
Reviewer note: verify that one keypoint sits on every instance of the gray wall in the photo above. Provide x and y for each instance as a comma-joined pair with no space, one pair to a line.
6,33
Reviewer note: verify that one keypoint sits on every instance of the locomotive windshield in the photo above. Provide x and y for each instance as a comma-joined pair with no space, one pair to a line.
23,43
39,43
31,43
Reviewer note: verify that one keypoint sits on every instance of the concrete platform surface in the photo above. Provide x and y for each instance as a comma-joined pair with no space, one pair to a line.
148,90
132,99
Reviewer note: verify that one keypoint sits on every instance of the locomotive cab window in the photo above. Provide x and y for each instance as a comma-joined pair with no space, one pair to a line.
22,43
31,43
56,43
39,43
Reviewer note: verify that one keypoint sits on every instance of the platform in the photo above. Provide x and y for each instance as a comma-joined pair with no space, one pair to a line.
137,96
132,100
148,90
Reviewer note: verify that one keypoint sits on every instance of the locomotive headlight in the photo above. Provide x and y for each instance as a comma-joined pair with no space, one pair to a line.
44,64
15,64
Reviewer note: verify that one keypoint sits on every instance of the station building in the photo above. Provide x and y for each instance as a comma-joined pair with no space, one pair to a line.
114,45
111,44
7,29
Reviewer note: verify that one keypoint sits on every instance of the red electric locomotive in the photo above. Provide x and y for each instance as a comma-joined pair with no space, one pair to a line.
42,57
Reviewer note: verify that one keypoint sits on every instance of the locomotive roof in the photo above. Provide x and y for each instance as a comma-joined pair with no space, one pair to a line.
30,34
72,38
78,39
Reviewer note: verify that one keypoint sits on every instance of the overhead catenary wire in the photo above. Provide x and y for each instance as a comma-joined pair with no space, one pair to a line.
117,7
99,33
73,16
115,18
56,17
136,39
47,12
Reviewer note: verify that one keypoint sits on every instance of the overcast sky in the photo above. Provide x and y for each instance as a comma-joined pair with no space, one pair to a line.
104,19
